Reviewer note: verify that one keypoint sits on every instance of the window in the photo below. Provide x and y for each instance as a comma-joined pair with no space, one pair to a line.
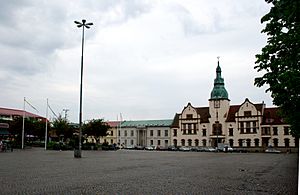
242,127
182,142
196,142
190,142
158,133
184,132
248,141
119,133
240,143
247,113
111,133
151,133
111,141
286,130
175,142
256,142
166,133
254,127
125,133
166,142
158,142
203,132
132,133
248,127
275,131
189,126
287,142
275,142
265,131
230,131
131,142
151,142
189,131
231,142
175,132
125,142
189,116
204,142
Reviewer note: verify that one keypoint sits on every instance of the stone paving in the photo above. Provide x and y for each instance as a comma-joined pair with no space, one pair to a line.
35,171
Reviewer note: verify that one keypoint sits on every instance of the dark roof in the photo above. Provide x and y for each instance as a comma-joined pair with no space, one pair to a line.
204,114
175,121
231,113
271,117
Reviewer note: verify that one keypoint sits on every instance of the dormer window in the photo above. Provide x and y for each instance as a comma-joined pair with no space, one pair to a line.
189,116
247,113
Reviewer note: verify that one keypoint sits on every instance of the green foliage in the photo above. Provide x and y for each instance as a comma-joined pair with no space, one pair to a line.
62,127
96,127
279,59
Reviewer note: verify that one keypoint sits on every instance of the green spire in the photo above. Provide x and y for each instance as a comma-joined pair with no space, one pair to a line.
219,91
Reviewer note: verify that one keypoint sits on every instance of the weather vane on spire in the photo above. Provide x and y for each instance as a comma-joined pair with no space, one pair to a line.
218,58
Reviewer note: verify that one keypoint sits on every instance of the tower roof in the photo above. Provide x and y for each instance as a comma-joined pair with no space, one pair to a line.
219,92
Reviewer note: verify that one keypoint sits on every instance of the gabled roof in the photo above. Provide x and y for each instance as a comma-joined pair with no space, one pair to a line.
16,112
202,111
148,123
235,108
271,117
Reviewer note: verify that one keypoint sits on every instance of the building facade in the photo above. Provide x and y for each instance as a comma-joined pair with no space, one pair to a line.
145,133
247,125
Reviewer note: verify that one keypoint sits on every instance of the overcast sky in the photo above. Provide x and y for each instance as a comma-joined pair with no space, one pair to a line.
144,59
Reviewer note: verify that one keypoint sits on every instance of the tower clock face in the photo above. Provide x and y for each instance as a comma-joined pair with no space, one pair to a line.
217,104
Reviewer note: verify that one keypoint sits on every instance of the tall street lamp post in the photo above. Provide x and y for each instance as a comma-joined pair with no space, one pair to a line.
83,24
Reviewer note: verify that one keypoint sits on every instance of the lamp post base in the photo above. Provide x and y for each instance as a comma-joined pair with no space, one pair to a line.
77,153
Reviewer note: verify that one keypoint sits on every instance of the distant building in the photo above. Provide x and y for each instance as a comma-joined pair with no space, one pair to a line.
246,125
145,133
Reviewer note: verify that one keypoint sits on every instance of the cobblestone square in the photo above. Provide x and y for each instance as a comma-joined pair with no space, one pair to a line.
35,171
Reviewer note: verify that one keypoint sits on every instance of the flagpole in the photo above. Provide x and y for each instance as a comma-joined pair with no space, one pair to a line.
46,130
23,125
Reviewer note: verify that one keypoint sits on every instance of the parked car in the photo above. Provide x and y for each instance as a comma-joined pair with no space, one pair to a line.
198,149
210,149
272,150
139,147
185,148
150,148
172,148
130,147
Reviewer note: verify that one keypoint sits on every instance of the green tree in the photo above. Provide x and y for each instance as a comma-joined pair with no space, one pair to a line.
62,127
279,59
96,127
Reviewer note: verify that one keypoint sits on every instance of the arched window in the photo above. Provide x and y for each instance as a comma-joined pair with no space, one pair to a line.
182,142
240,142
231,142
204,142
196,142
190,142
175,142
287,142
256,142
248,141
275,142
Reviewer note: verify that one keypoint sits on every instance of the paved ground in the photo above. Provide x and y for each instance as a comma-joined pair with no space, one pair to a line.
36,171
